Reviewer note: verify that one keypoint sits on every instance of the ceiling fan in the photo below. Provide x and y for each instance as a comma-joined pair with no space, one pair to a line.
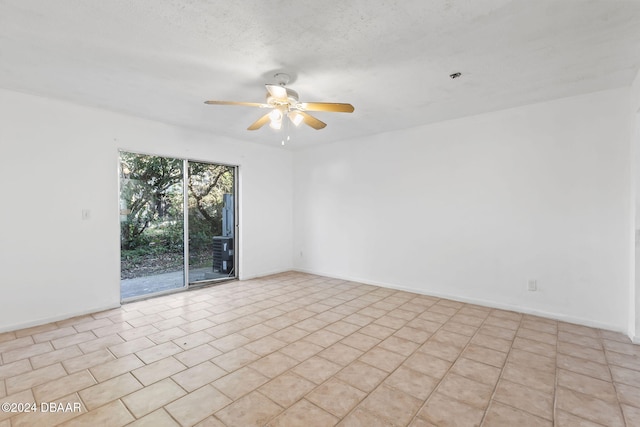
284,102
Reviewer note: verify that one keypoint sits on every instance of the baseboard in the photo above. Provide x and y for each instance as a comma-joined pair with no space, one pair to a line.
267,273
486,303
45,320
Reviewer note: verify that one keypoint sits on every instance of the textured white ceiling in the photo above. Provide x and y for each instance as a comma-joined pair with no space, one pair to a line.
160,59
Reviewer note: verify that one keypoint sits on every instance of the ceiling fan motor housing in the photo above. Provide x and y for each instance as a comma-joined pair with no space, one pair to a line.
290,102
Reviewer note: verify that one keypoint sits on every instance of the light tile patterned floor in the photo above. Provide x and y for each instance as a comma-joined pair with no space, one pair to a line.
301,350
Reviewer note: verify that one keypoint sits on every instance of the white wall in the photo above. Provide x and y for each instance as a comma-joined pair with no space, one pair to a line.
470,208
634,294
59,158
474,208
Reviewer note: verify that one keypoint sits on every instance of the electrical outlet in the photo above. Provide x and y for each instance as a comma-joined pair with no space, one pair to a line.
86,214
532,286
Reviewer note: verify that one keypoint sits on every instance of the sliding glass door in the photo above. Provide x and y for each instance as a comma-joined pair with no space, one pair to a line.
153,231
211,226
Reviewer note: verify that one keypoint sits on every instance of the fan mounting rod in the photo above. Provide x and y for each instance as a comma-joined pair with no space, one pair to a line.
282,78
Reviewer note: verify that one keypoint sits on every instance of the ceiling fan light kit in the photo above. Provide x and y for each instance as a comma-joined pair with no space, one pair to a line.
295,117
285,102
275,116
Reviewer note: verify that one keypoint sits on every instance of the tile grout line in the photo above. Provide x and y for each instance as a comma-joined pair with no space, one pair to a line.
452,363
316,386
343,367
495,387
520,326
613,382
435,389
267,354
608,367
381,340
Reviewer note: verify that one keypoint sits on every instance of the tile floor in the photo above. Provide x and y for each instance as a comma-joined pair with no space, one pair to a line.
301,350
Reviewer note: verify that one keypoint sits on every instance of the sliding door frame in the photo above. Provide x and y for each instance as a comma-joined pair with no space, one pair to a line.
236,275
185,227
185,192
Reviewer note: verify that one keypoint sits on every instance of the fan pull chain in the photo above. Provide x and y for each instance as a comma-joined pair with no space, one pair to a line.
288,132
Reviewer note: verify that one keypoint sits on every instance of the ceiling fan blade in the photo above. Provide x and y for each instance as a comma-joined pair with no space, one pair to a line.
277,91
246,104
260,122
312,121
334,107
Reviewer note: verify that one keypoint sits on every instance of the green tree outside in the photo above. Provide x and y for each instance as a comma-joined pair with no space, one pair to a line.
151,212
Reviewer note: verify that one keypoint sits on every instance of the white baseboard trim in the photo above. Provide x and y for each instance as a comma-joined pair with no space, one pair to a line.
267,273
486,303
45,320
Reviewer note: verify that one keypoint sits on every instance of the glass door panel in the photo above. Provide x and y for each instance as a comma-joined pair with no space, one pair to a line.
151,224
211,226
